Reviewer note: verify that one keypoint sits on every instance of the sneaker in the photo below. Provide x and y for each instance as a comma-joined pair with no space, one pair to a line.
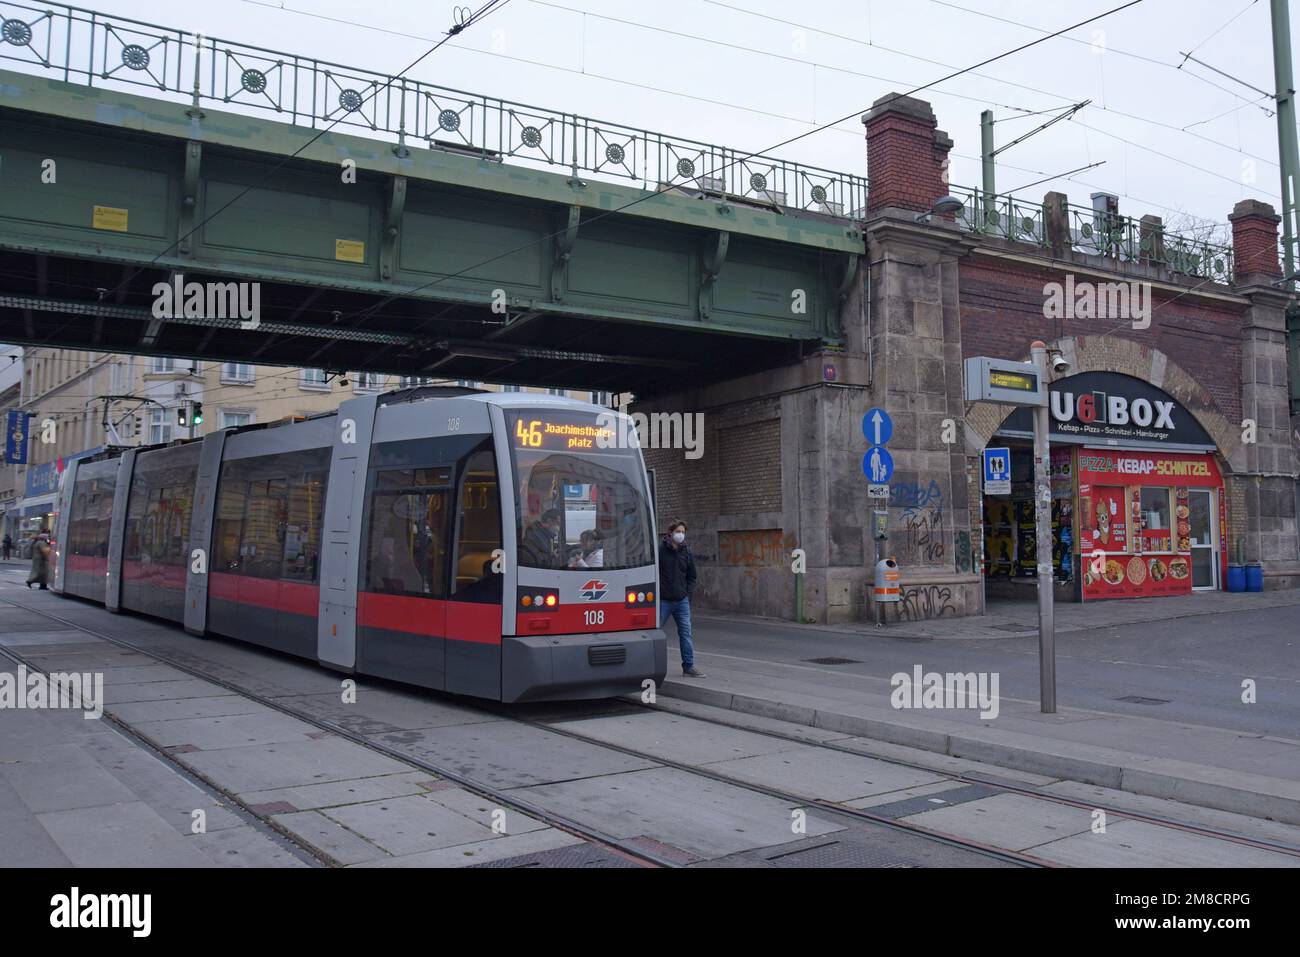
693,672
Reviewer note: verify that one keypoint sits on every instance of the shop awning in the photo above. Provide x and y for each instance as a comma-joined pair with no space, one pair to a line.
36,505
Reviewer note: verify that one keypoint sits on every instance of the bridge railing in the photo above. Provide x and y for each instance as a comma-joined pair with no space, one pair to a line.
85,46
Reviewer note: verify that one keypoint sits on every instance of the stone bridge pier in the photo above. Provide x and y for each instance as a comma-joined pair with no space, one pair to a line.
781,468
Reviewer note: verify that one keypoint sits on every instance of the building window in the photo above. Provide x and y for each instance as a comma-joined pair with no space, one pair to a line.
602,398
414,381
510,388
160,426
162,364
313,379
467,383
559,392
367,382
234,420
236,372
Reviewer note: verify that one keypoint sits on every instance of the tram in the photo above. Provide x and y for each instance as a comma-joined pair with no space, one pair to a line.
494,545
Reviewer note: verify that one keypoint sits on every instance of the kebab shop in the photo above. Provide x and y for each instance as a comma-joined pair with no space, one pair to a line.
1149,523
1138,508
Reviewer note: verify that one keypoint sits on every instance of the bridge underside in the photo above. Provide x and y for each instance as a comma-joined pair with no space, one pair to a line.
422,263
55,302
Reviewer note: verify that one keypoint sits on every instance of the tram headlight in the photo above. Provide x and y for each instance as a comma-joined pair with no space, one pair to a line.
526,600
538,600
550,601
631,598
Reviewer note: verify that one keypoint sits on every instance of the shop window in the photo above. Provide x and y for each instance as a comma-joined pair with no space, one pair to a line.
1154,510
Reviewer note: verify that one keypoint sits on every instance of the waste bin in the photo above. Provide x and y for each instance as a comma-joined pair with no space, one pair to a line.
887,586
1236,578
1254,577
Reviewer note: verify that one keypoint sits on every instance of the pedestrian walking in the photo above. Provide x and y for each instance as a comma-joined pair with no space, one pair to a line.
676,583
7,546
40,573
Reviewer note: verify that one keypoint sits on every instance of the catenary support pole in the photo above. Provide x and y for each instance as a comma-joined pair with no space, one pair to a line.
1043,547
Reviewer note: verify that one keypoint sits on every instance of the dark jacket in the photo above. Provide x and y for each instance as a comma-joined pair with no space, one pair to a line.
676,570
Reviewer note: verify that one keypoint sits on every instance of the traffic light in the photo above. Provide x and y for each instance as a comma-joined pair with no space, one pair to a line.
197,415
182,416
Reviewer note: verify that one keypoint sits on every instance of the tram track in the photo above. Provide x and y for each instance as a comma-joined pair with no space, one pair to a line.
264,823
554,819
858,816
558,821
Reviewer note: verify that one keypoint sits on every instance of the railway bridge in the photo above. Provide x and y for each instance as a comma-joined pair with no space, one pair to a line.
388,225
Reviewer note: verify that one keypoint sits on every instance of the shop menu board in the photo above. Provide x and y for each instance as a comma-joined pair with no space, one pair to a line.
1119,558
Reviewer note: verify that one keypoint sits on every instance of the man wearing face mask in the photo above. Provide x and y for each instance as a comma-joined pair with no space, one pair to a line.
676,582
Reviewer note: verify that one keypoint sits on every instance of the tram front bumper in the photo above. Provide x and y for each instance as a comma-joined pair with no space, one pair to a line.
564,667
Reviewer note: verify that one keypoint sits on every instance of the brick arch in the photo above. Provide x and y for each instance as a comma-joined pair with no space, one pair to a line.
1103,354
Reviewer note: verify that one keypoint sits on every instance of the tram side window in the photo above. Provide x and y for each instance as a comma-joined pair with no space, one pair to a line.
133,546
229,520
304,521
478,531
176,504
407,550
261,543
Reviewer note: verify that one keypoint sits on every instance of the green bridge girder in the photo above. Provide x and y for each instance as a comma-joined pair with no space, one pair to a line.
398,271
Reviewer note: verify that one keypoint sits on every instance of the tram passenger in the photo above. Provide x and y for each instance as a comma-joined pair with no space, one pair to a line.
591,551
540,548
676,582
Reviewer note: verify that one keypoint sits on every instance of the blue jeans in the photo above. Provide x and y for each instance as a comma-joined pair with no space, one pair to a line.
680,611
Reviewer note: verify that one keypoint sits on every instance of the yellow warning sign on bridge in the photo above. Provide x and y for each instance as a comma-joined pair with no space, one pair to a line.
349,250
109,217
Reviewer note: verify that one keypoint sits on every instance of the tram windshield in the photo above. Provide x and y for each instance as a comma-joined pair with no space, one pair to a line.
577,504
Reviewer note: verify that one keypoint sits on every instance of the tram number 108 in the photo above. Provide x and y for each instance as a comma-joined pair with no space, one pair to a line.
594,617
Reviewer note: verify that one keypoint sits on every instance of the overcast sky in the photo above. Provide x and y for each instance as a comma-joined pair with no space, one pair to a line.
752,73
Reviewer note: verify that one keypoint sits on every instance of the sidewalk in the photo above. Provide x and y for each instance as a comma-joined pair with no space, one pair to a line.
1011,618
751,670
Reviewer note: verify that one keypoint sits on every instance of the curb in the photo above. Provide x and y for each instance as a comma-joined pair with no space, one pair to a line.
1274,799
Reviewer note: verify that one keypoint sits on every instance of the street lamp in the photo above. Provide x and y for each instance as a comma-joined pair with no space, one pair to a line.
945,206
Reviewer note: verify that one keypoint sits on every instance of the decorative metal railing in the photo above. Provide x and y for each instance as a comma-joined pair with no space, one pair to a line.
1097,233
1002,216
85,46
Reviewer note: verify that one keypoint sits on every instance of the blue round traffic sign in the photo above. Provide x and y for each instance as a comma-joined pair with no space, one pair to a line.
877,465
877,426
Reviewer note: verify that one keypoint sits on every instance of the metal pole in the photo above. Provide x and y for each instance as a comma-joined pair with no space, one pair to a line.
1043,548
1288,152
986,154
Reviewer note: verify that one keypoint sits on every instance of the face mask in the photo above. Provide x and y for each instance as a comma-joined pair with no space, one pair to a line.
679,537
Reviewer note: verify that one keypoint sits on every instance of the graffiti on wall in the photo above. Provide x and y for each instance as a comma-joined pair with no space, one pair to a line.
922,519
963,550
920,602
764,546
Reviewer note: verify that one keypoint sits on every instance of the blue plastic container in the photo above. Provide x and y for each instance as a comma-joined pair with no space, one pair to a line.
1236,578
1254,578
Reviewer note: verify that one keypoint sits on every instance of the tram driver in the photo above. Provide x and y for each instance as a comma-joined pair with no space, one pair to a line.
540,548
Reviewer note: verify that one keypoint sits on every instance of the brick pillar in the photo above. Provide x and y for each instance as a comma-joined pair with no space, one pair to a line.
1056,223
1254,241
906,155
1151,236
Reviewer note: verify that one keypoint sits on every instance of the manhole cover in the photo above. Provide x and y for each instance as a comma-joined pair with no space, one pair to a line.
1138,699
833,661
